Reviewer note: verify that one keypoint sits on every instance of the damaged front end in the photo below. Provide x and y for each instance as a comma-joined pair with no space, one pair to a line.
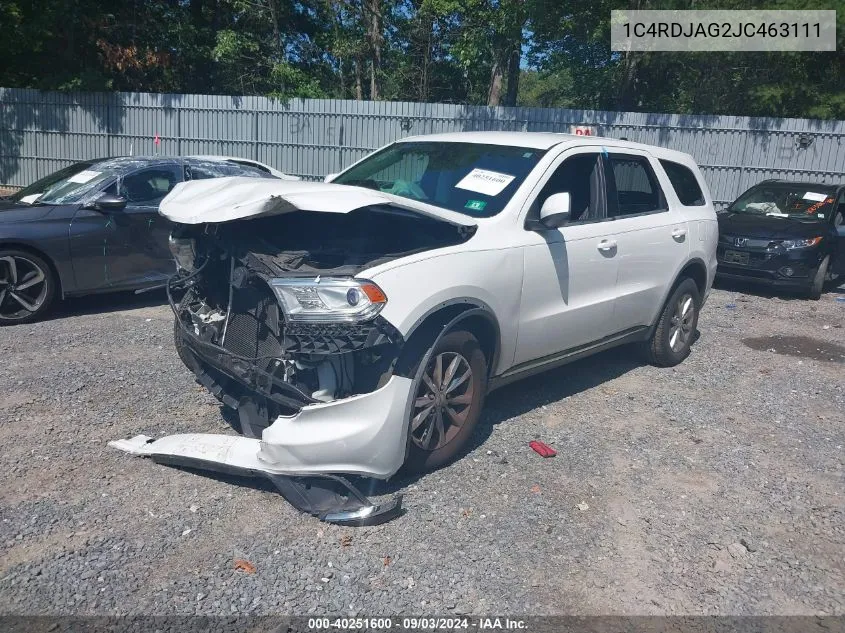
272,319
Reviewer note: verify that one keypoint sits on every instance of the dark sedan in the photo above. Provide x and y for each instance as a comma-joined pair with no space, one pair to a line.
784,234
93,227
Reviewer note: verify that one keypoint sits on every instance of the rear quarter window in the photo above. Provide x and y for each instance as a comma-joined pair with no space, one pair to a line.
684,183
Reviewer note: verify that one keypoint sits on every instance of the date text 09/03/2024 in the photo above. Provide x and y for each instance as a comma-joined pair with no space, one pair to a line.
416,623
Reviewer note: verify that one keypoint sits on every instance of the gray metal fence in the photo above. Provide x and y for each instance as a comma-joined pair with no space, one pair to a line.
43,131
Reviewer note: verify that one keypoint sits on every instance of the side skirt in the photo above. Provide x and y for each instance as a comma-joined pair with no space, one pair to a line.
532,367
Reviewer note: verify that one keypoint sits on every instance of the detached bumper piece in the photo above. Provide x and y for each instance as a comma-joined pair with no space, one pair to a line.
330,498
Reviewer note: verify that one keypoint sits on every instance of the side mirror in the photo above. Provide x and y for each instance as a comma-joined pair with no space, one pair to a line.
107,203
329,177
556,210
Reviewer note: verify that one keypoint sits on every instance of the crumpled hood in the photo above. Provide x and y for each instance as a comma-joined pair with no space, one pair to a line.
236,198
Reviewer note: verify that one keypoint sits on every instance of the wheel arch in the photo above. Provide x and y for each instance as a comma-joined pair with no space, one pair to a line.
473,314
29,248
696,270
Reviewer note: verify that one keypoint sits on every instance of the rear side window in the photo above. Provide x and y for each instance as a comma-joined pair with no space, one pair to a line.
635,184
684,183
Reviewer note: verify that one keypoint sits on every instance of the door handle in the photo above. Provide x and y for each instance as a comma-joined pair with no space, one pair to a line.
607,245
678,233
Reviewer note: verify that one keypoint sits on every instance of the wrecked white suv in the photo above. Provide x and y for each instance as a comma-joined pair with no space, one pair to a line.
356,326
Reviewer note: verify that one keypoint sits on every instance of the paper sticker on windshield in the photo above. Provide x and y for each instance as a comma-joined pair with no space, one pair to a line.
84,176
31,198
815,197
489,183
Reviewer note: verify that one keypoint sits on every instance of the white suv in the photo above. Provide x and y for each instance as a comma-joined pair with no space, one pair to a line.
356,326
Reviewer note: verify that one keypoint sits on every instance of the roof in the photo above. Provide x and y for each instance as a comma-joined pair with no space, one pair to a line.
538,140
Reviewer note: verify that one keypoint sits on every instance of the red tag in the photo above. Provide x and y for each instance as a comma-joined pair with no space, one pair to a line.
157,140
544,450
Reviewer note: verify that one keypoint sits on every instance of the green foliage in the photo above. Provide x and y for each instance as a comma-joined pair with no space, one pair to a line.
514,52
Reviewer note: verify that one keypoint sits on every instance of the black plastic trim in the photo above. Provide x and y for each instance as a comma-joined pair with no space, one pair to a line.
532,367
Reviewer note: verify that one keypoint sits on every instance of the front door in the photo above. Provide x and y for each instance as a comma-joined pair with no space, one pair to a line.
569,283
127,248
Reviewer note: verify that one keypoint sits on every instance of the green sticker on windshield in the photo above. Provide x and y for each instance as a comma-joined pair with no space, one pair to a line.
475,205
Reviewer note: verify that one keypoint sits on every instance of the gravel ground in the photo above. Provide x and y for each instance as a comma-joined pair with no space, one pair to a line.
715,487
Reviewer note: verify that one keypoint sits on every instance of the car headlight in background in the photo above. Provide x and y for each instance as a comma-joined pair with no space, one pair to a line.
805,243
329,299
184,251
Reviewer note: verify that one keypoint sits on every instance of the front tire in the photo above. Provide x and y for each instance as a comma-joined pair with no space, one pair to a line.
27,287
671,340
448,396
817,287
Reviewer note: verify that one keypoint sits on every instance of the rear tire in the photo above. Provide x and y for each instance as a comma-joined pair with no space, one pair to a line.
448,397
27,287
671,340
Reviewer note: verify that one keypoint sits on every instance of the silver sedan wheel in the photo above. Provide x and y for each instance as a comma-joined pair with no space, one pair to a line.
23,287
442,401
680,331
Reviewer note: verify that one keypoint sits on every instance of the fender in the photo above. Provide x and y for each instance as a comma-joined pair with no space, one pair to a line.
59,262
442,318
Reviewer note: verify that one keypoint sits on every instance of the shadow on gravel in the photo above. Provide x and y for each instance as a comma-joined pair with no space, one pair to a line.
526,395
501,406
767,292
105,303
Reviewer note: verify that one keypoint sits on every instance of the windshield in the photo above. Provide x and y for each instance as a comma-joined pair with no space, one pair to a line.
470,178
34,191
803,202
66,186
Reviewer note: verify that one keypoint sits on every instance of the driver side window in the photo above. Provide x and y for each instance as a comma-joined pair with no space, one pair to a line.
146,187
580,176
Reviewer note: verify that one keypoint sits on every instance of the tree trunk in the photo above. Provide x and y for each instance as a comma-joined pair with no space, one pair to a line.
359,80
513,77
372,11
626,93
494,94
428,26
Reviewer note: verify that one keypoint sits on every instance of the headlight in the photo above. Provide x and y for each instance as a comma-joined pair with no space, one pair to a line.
184,251
791,244
329,299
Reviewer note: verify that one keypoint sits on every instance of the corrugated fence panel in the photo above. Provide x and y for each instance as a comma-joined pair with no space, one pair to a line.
43,131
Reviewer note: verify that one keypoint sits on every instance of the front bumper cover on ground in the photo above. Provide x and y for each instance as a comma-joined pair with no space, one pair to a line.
328,497
305,454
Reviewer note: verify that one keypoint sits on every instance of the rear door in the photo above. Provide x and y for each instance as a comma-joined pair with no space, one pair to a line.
652,236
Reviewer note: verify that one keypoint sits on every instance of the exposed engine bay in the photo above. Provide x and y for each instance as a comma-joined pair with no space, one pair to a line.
245,300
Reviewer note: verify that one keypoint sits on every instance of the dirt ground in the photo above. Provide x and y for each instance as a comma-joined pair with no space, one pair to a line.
715,487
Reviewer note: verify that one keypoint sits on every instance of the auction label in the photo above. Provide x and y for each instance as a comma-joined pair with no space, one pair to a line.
456,623
484,181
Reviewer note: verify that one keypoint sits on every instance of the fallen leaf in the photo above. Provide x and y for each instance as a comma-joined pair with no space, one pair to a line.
345,540
244,565
387,560
535,488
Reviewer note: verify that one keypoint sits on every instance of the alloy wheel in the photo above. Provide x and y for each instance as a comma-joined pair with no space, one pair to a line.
680,330
442,401
23,287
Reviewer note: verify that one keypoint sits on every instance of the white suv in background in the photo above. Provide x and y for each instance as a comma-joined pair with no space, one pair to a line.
357,325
